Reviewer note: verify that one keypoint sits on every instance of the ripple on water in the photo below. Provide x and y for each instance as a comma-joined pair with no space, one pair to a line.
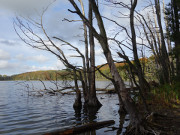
36,115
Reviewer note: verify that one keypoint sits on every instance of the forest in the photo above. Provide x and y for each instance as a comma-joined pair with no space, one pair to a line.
148,56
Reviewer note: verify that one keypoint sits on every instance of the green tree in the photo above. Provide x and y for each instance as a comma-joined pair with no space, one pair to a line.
173,18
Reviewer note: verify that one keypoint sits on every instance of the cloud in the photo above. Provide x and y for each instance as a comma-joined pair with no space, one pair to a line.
20,57
100,60
3,13
19,67
69,31
8,42
4,55
35,68
57,66
37,58
23,4
3,64
60,65
98,52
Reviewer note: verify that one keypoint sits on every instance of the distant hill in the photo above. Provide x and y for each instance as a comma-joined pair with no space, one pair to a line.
38,75
65,74
42,75
52,74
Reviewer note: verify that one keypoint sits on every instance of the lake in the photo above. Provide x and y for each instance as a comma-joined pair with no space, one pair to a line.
21,114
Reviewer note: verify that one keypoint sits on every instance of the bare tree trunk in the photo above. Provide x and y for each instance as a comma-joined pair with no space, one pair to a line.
93,101
122,108
82,81
121,105
129,104
150,42
144,86
85,66
77,103
163,51
156,28
126,99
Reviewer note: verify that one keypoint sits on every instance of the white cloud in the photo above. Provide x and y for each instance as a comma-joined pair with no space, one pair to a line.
98,52
60,65
4,55
23,4
35,68
100,60
8,42
17,68
3,13
20,57
3,64
37,58
66,30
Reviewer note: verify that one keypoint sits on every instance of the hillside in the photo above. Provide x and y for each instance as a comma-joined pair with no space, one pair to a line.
43,75
53,74
66,74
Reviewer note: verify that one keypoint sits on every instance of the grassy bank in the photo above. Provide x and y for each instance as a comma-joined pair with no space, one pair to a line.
164,105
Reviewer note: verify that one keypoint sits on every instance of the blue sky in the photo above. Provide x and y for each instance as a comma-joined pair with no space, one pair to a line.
16,57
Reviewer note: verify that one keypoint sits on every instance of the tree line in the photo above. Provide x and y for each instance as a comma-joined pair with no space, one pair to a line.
46,75
5,78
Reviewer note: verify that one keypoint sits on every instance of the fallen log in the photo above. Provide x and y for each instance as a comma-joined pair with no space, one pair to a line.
83,128
112,91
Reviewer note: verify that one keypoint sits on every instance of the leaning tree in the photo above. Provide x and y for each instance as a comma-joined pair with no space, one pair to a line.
130,107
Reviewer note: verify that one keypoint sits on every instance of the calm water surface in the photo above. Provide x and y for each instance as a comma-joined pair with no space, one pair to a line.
21,114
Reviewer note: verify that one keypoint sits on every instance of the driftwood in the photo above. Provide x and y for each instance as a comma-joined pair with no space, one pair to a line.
111,91
83,128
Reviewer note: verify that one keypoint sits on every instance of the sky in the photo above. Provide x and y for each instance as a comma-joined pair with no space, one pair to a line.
16,57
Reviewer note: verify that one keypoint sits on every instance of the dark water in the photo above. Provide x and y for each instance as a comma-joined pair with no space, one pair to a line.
21,114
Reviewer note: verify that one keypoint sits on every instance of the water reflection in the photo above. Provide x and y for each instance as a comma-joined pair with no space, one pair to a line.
90,114
86,115
121,123
117,129
93,132
77,114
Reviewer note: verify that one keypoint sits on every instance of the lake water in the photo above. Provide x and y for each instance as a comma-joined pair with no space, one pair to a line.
21,114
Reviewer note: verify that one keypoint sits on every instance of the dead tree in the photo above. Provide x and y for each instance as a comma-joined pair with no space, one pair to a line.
136,68
92,101
27,34
135,118
116,87
144,86
86,69
153,32
89,68
164,59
